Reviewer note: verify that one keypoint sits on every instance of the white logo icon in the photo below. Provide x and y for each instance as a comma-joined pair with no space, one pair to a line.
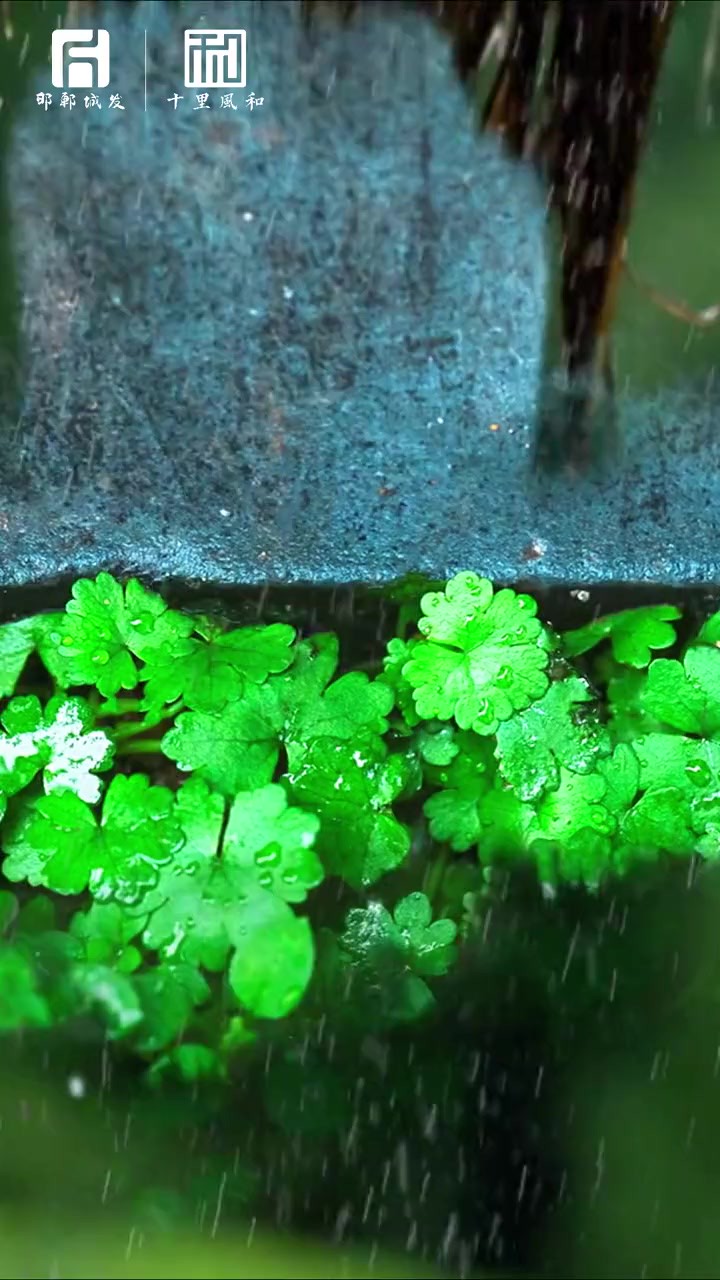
214,59
88,63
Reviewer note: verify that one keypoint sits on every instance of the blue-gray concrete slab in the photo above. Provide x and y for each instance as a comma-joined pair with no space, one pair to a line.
303,342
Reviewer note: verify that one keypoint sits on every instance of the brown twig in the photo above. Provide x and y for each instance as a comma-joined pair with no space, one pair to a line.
680,310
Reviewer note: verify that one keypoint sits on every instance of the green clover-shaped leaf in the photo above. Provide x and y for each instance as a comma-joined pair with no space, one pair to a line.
105,625
208,674
270,973
350,707
21,1002
274,841
622,774
659,820
59,741
674,760
576,804
686,695
199,909
99,990
429,944
392,953
191,1063
628,717
57,841
484,655
554,731
17,641
106,931
453,812
200,813
233,750
352,788
205,911
709,632
506,825
437,743
168,995
399,653
633,633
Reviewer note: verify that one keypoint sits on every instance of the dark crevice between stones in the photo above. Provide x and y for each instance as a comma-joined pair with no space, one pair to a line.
364,616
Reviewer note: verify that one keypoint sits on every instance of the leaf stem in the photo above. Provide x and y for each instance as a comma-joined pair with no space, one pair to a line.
132,729
128,705
139,747
433,878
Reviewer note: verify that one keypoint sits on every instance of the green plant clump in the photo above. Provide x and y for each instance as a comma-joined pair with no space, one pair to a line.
208,830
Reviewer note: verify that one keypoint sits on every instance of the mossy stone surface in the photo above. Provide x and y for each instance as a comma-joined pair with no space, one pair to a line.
304,343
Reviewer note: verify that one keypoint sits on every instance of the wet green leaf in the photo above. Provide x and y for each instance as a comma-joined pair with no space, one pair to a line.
352,790
208,674
483,657
58,842
686,695
17,641
633,633
233,750
274,841
21,1003
168,996
270,972
533,744
106,626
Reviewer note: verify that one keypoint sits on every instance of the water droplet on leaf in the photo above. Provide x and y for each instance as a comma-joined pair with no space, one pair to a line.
699,773
269,856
